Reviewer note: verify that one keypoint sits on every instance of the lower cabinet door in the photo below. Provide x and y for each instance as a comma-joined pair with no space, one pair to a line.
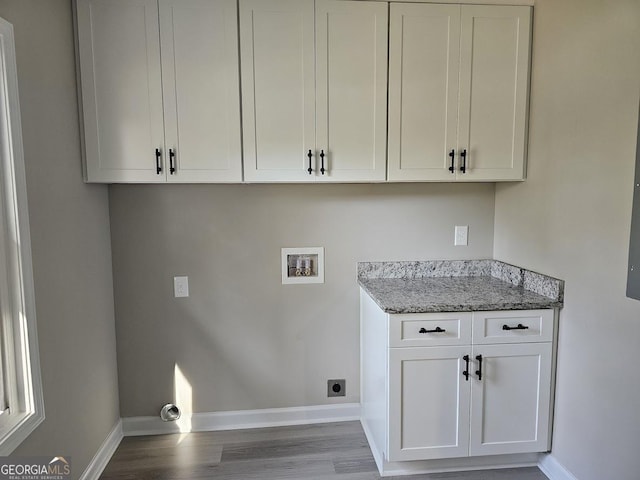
428,403
510,398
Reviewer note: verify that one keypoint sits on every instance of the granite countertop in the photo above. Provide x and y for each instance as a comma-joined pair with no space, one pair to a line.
457,286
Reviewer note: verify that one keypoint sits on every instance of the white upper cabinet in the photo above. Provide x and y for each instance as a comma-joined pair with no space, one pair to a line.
458,92
332,91
152,116
423,90
200,78
121,89
314,90
494,91
278,89
351,90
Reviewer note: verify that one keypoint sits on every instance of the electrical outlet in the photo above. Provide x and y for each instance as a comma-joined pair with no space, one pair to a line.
180,287
461,235
336,388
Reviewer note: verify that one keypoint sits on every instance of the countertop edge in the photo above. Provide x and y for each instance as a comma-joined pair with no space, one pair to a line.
448,307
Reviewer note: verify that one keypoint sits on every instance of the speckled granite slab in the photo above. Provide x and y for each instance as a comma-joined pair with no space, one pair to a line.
457,285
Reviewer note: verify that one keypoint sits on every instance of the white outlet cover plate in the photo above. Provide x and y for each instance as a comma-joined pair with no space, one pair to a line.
462,235
180,287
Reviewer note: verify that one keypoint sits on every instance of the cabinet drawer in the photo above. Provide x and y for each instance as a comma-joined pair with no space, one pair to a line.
513,326
424,329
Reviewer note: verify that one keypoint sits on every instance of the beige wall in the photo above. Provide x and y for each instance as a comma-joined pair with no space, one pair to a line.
572,217
242,339
70,242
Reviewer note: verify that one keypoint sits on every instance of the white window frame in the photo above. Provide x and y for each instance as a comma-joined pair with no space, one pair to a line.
20,358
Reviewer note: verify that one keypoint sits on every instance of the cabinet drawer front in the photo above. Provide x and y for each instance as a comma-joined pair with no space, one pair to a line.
514,326
415,330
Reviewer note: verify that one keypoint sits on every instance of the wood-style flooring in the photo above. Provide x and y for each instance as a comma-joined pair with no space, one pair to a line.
331,451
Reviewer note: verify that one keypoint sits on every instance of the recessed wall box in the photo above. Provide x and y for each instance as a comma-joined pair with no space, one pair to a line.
303,265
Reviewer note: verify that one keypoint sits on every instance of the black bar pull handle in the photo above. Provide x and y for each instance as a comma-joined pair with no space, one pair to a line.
463,165
158,161
519,327
479,371
436,330
172,156
466,368
452,168
309,154
322,170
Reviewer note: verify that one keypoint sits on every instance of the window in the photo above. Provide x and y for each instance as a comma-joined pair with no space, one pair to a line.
21,401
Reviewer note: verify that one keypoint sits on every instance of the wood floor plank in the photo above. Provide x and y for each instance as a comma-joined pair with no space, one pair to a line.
288,447
333,451
358,463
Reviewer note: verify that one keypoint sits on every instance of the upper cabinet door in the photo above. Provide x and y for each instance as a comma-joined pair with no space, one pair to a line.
199,40
278,89
494,81
351,91
119,52
424,44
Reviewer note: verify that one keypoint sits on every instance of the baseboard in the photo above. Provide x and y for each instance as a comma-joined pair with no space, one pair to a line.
103,455
461,464
378,456
553,469
271,417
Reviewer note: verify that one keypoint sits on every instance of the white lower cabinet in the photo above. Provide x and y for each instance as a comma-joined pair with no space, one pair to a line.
503,406
469,384
510,401
427,422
